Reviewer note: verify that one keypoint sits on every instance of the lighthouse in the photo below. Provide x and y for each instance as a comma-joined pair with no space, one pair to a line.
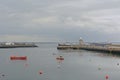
81,42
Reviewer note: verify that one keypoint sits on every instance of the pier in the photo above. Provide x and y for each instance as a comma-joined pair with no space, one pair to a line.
101,47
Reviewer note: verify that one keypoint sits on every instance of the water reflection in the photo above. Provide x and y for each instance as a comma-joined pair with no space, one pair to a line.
93,53
41,64
97,62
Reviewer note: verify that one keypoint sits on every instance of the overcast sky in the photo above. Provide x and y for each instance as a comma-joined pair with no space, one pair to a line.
60,20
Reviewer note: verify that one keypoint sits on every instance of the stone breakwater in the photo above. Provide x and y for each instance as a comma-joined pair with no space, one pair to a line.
17,45
111,48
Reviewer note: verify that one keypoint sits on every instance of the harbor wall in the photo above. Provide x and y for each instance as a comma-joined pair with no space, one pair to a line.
105,48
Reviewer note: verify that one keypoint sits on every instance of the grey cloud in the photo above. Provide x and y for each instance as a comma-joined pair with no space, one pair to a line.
66,19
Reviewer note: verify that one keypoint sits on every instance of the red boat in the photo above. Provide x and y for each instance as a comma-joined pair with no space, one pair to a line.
18,58
60,58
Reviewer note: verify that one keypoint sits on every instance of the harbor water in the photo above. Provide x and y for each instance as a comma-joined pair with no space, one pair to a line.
41,64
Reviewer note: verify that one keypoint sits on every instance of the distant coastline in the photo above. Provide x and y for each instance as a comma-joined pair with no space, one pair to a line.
16,44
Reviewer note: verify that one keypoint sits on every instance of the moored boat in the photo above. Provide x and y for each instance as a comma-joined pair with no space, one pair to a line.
18,57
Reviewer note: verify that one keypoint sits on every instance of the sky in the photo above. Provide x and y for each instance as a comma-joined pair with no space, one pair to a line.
59,20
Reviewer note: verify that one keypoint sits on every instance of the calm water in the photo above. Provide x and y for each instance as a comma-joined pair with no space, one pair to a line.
77,64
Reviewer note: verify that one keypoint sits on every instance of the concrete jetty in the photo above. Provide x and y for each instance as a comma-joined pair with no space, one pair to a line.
101,47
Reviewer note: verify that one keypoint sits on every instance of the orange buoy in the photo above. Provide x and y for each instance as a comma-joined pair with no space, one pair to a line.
106,77
40,72
18,58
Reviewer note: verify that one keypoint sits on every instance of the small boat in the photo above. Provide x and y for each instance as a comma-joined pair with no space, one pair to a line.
18,58
60,58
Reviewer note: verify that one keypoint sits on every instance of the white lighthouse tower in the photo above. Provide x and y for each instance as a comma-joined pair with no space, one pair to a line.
81,42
